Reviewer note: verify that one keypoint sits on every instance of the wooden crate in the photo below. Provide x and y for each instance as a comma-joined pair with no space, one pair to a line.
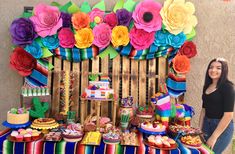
137,78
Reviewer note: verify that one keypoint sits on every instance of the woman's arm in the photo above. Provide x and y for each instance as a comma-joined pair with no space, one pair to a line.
223,124
201,119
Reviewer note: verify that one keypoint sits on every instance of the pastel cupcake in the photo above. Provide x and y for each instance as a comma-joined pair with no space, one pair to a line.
27,137
19,138
14,134
23,132
21,129
35,136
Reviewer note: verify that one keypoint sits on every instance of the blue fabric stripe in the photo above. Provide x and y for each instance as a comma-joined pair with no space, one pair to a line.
36,75
176,85
32,82
49,147
89,149
89,53
63,53
69,147
2,138
76,55
126,50
100,149
19,148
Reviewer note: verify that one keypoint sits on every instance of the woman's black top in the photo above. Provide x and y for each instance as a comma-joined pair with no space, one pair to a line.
219,101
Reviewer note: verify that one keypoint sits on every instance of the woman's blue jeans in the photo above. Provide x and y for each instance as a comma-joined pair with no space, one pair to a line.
209,126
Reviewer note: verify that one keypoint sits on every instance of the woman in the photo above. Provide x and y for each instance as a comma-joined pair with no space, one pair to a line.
217,107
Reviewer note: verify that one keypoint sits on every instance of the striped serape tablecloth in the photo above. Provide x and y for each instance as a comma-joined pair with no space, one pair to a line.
63,147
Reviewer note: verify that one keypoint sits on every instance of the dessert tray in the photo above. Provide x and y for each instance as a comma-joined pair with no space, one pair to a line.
129,139
10,138
91,138
175,146
191,141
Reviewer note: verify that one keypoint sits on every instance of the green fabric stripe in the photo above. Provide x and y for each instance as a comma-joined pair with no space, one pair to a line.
119,149
8,147
68,54
60,147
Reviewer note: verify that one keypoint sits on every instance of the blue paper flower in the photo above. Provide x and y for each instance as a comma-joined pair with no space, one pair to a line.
176,41
161,38
34,49
50,42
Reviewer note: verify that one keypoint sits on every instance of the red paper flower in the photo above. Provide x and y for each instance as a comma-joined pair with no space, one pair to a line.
22,61
66,38
188,49
181,64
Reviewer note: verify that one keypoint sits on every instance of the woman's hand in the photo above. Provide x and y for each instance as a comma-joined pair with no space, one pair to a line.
211,142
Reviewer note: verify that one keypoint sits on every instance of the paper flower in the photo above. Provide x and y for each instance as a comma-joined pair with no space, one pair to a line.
124,17
80,20
176,40
34,49
161,38
102,35
188,49
141,39
66,18
181,64
111,19
66,38
51,42
22,31
22,61
84,38
96,15
120,36
178,16
46,20
147,17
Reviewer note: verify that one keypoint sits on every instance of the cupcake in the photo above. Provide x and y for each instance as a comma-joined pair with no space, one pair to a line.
23,132
19,138
35,136
27,137
29,130
21,129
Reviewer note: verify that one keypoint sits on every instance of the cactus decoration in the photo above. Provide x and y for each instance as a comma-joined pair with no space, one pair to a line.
93,77
39,108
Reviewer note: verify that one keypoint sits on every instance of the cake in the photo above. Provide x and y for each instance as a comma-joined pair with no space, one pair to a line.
72,135
145,111
17,116
99,89
44,123
161,141
112,137
153,127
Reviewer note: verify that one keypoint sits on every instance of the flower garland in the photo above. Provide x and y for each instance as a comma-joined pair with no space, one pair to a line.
139,30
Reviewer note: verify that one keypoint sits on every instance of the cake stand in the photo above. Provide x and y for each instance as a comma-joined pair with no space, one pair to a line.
16,126
45,129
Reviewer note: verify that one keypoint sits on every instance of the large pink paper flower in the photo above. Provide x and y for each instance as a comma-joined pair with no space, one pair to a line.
141,39
66,38
147,16
96,15
46,20
102,35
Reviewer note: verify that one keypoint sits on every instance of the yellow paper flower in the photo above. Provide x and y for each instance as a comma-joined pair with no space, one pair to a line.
84,38
177,16
120,36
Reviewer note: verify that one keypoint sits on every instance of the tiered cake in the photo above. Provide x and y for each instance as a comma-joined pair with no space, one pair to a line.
99,89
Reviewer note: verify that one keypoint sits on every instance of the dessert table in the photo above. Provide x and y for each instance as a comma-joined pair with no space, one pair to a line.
63,147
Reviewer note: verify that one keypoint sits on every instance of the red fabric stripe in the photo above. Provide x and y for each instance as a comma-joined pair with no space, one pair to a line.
4,131
41,69
110,149
80,149
175,78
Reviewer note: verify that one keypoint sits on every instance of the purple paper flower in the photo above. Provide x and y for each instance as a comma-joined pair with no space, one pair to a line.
22,31
66,18
124,17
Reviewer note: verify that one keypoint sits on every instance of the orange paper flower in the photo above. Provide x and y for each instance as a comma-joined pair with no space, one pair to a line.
181,64
80,20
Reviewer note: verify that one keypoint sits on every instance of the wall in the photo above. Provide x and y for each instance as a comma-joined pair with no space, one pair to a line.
215,36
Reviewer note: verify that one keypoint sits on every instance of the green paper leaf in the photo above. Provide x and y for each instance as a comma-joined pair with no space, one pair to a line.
27,14
50,66
118,5
55,4
46,53
100,5
92,24
191,35
65,7
73,8
109,51
85,7
130,5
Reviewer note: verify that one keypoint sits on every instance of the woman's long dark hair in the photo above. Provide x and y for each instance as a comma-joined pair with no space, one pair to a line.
224,74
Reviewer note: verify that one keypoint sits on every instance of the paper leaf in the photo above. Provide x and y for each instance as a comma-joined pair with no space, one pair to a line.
73,8
27,14
46,53
118,5
100,5
50,66
85,7
130,5
191,35
55,4
65,7
108,51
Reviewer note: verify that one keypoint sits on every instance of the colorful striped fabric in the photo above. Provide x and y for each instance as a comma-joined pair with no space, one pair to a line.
62,147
